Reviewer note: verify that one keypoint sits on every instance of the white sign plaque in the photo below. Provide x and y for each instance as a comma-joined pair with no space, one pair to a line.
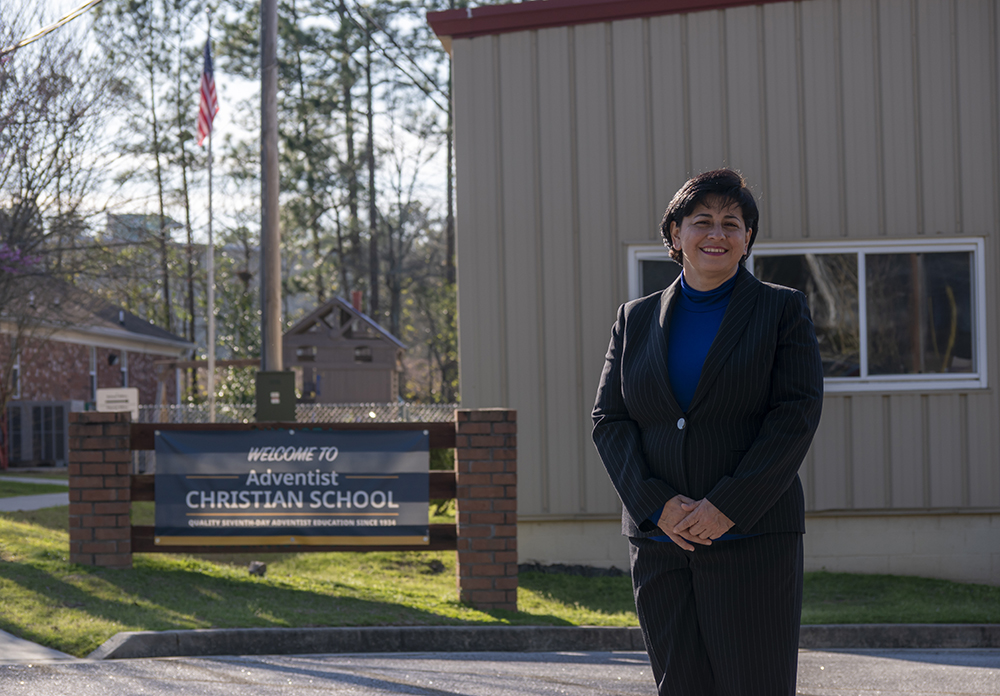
116,400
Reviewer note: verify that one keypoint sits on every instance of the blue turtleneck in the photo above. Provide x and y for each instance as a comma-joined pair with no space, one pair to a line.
693,324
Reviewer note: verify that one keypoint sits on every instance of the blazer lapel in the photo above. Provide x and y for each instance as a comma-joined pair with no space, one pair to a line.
734,323
658,345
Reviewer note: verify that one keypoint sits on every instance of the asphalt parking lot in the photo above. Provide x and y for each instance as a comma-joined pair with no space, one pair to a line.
821,673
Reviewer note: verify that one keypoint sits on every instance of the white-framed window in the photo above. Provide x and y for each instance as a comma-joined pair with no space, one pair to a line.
124,368
650,269
15,377
93,373
890,315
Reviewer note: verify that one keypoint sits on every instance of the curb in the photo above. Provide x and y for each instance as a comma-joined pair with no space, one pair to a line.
900,636
388,639
285,641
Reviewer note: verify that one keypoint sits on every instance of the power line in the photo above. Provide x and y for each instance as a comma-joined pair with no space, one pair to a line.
381,49
363,10
49,29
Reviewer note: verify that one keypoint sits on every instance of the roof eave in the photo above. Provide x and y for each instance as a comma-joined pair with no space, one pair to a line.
137,337
501,19
106,337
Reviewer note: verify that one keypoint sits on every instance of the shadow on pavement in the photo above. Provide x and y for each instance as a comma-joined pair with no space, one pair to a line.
965,657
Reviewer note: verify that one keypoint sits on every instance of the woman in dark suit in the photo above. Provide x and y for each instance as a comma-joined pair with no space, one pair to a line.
710,396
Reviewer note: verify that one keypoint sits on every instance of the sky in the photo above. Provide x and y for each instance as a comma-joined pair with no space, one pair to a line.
232,92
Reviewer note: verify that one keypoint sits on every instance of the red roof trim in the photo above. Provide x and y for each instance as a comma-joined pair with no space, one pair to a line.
500,19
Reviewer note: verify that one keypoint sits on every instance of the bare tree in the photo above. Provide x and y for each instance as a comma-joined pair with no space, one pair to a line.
54,101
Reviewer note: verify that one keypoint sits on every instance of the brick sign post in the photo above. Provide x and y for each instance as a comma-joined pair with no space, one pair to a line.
484,485
100,462
486,502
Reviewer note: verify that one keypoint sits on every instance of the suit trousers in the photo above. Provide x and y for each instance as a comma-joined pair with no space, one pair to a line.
723,619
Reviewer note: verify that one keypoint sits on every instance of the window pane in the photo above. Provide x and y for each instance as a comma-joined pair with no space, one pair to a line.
14,429
830,283
655,275
919,313
36,433
47,415
59,434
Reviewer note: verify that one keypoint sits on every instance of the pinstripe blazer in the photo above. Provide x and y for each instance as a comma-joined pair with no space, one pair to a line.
750,422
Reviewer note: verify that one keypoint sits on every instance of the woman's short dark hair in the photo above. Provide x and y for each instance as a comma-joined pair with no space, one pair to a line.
725,184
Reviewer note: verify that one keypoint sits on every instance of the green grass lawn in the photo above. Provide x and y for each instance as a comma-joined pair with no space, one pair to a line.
10,489
74,608
847,598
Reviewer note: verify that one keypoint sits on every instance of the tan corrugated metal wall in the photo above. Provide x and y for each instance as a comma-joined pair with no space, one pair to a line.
851,118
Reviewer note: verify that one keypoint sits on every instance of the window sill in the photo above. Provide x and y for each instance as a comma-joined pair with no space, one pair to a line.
921,383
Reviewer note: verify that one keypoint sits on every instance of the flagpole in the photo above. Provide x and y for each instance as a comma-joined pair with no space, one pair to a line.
211,279
211,295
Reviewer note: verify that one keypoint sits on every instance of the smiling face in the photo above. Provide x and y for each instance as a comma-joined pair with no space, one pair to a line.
713,239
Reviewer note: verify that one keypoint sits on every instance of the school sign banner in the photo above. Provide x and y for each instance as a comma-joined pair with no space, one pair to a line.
291,487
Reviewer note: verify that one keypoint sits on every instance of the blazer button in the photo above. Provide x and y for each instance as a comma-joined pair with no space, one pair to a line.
681,423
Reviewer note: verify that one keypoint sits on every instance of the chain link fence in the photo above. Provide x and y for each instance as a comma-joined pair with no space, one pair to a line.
304,413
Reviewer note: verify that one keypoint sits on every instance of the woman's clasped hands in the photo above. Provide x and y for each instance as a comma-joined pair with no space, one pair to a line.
687,521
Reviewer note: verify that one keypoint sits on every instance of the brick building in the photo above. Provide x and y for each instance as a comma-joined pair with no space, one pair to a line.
87,344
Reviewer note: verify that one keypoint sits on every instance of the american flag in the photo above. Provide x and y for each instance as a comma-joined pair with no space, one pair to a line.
209,101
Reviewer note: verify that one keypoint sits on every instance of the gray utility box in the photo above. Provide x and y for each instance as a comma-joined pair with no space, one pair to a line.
275,397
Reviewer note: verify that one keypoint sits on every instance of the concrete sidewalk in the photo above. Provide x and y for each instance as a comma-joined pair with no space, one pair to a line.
34,502
14,650
22,503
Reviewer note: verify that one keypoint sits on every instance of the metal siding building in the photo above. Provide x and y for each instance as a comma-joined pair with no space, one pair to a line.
855,121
